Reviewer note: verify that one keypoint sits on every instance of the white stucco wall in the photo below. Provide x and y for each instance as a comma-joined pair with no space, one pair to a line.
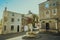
8,23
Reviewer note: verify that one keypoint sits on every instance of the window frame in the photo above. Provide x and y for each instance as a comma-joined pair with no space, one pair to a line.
4,27
18,19
12,19
54,4
54,11
12,27
47,15
12,14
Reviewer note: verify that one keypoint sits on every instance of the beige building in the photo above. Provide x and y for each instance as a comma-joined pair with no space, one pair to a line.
49,15
0,26
12,22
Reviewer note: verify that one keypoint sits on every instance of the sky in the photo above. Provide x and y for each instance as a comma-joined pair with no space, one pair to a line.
20,6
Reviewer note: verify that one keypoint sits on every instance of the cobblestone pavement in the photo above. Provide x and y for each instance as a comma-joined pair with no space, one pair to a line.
12,35
45,37
16,38
41,36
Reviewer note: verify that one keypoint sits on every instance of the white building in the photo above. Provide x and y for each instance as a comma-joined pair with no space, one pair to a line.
12,22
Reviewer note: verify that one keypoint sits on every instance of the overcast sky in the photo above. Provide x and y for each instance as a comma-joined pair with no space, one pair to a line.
20,6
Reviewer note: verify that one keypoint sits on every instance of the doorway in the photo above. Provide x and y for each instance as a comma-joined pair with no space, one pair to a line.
18,28
47,26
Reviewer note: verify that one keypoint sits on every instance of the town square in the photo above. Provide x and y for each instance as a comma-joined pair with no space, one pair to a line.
30,20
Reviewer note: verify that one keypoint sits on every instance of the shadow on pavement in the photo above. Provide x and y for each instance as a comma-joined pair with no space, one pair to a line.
11,35
45,36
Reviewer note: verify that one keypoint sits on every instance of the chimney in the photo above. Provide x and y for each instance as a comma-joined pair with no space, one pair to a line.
30,12
5,9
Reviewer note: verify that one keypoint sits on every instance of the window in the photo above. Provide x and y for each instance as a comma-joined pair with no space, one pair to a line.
12,14
4,27
54,11
47,14
47,5
18,19
12,20
54,4
12,27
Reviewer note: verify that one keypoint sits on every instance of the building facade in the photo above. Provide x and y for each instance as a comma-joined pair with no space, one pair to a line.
12,22
29,21
49,15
